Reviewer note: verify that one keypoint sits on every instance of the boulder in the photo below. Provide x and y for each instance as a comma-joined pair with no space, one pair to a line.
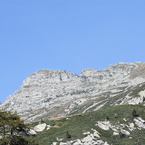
40,127
32,132
105,125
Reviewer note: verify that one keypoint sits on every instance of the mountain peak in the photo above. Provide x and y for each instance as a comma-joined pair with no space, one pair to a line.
52,93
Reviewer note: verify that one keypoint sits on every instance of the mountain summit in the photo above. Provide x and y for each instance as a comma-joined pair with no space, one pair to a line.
53,93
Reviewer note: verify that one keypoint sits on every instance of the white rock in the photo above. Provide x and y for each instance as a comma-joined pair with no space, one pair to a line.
87,139
100,142
106,143
105,125
139,118
78,142
115,128
125,132
86,133
62,143
142,93
139,122
135,101
115,133
40,127
48,127
96,134
59,139
131,126
32,132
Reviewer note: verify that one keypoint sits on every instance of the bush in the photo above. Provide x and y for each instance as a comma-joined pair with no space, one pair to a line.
68,135
134,113
12,129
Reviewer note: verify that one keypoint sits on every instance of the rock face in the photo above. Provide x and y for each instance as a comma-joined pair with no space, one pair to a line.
52,93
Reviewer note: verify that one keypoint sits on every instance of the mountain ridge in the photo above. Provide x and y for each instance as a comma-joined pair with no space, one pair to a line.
53,93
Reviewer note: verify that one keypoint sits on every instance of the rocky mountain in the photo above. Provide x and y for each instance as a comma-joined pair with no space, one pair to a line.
55,93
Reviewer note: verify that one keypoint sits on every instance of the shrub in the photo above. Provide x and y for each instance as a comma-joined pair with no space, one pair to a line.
12,129
134,113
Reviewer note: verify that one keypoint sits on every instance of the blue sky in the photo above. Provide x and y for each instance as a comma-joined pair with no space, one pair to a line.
67,34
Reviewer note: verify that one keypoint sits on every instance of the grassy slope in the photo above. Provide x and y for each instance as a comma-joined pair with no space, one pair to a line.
78,124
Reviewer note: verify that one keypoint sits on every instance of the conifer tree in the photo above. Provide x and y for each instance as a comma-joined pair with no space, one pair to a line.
12,129
134,113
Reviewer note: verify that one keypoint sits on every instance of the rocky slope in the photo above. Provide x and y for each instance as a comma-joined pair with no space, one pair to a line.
52,93
115,125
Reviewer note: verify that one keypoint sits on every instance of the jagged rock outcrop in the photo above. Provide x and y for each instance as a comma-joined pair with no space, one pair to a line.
51,93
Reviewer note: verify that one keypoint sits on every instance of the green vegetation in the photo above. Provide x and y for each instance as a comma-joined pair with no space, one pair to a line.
12,129
137,90
73,127
134,113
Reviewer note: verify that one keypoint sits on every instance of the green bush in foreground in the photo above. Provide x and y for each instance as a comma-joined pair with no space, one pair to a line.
12,129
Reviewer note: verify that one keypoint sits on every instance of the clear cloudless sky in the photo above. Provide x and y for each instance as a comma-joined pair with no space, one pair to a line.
67,35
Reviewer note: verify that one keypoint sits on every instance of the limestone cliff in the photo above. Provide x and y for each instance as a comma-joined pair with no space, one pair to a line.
51,93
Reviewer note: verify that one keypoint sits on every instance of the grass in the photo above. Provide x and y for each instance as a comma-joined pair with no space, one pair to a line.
137,90
73,127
